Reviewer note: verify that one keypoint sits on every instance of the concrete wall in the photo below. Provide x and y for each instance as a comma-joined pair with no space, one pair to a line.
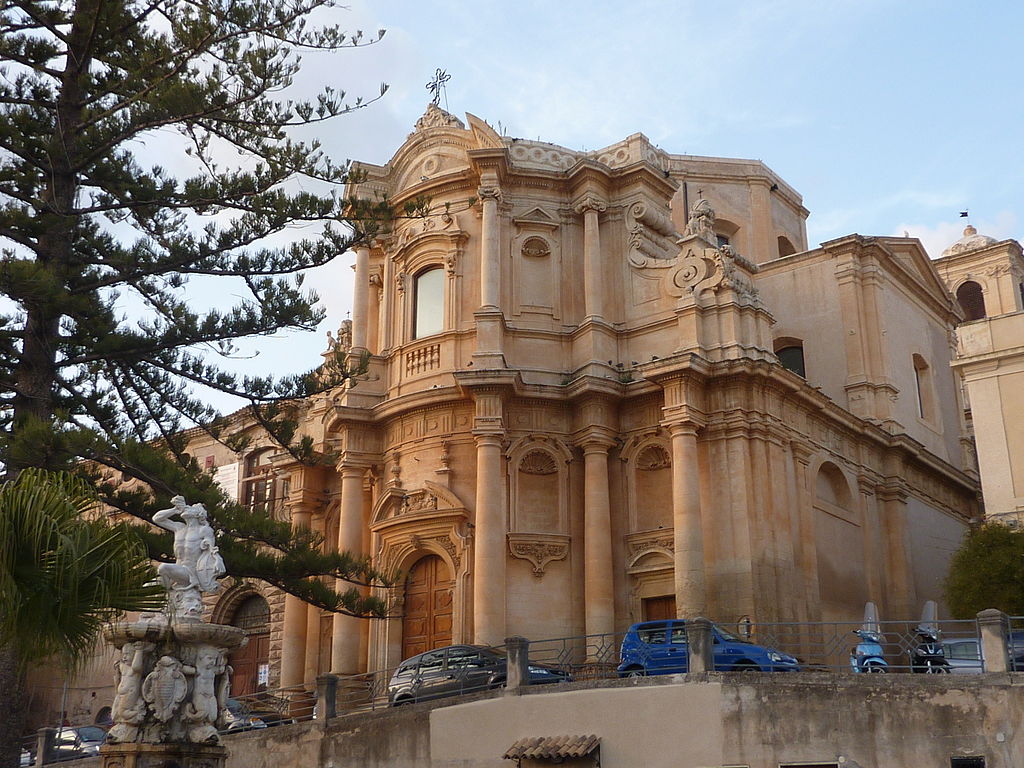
699,721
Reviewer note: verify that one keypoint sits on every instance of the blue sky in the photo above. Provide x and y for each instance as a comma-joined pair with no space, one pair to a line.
888,117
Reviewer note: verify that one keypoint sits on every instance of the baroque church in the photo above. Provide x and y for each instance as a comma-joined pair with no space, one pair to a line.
618,385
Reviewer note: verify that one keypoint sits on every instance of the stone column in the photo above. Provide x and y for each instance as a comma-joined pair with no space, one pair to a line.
312,668
686,519
347,629
599,592
293,640
361,298
489,543
490,262
901,600
591,208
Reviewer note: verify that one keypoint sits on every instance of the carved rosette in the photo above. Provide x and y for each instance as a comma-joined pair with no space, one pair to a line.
538,549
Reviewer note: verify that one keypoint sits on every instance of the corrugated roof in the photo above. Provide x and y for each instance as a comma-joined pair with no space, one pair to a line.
552,747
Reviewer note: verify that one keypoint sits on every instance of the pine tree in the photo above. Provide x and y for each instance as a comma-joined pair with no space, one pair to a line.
91,224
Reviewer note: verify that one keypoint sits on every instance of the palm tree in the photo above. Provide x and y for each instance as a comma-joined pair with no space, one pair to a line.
64,573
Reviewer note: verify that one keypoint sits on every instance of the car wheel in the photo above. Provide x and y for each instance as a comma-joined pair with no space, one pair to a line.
635,672
874,666
746,666
498,682
402,701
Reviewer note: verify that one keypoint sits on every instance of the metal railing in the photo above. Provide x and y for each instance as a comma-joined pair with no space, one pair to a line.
826,647
268,708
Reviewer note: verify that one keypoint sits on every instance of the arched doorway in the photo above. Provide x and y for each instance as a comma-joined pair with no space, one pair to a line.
250,664
427,622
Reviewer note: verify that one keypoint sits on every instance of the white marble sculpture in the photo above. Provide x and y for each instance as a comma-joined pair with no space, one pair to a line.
164,688
129,708
198,563
173,679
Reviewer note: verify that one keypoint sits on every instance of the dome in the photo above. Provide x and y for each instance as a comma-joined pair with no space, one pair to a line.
971,241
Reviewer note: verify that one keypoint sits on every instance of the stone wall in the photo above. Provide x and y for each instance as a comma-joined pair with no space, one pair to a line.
740,720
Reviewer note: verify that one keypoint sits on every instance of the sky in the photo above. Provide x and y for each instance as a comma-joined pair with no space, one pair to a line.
889,117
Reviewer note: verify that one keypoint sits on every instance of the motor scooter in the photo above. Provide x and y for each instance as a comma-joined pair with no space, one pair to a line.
867,654
927,655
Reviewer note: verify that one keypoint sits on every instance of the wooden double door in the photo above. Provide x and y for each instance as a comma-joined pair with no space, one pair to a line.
427,623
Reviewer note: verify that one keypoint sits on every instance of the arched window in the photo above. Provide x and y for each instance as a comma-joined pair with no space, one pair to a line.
972,300
785,246
791,354
725,232
428,298
262,491
925,391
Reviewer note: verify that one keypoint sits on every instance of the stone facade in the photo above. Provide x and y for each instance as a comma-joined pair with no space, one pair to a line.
987,276
575,404
613,385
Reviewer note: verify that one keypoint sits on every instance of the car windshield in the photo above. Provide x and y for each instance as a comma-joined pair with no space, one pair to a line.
91,733
727,635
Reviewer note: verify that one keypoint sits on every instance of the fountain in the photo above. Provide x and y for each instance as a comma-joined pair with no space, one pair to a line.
173,678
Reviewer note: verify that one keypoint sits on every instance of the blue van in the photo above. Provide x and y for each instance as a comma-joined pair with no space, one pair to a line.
660,648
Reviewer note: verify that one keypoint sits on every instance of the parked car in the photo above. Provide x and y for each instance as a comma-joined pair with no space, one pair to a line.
964,654
458,669
661,648
70,742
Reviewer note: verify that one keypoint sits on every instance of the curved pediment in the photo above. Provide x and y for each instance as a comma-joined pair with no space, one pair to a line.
429,499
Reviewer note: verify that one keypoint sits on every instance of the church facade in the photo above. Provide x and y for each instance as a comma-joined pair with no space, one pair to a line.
610,386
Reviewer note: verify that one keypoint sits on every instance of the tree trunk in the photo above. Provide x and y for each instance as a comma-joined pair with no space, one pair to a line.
13,703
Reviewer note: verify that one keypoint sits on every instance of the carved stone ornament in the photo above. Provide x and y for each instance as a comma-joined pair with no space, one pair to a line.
451,262
538,549
652,236
536,247
165,687
435,117
489,192
400,280
641,543
418,501
701,222
653,457
590,203
538,463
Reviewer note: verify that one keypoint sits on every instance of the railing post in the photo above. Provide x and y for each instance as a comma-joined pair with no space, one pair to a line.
326,697
700,641
518,675
46,738
994,626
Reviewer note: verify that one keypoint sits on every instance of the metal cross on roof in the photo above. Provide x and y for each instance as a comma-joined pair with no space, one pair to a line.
436,86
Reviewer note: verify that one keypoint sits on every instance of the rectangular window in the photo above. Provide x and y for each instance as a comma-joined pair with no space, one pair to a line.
428,316
967,762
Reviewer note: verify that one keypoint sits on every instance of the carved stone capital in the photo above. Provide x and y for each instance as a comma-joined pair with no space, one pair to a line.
538,549
490,192
590,203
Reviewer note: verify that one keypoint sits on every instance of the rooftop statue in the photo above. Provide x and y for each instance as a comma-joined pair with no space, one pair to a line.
702,221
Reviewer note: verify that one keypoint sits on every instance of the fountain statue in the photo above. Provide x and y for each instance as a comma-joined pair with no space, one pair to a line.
173,678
